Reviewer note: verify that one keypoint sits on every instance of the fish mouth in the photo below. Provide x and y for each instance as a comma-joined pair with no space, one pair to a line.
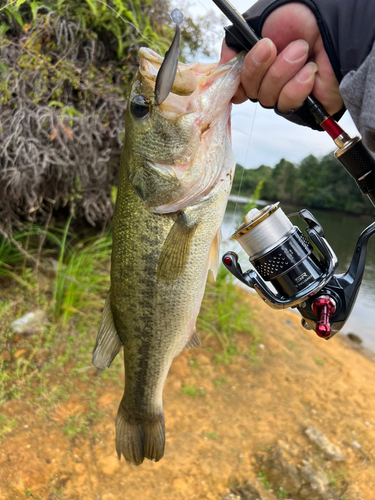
200,101
196,87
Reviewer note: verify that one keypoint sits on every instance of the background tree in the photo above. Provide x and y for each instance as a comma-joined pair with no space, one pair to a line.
315,182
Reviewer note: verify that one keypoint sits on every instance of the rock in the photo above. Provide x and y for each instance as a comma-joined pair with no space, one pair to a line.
315,478
330,450
317,487
354,338
281,471
30,322
304,483
248,492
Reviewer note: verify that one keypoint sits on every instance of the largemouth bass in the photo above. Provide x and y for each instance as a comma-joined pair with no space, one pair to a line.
176,173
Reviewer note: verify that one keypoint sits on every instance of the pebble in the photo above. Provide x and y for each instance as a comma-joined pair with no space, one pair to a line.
354,338
316,479
28,322
330,450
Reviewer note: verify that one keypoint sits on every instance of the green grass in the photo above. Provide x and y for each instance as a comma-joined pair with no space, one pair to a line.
6,425
12,259
319,362
82,277
74,425
281,493
210,435
193,391
223,314
264,480
221,380
337,478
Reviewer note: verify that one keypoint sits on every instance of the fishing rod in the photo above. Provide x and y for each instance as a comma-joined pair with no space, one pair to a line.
301,269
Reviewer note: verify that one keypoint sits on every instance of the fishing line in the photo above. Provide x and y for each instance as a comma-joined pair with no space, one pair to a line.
131,24
251,130
247,153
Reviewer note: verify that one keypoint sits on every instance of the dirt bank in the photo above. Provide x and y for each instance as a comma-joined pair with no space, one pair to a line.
221,421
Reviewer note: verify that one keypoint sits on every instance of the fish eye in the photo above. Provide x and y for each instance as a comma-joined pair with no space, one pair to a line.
140,106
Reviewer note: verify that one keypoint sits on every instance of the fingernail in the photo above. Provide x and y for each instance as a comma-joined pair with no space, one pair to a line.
296,51
307,72
262,51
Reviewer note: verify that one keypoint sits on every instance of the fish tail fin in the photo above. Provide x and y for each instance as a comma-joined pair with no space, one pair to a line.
137,441
154,438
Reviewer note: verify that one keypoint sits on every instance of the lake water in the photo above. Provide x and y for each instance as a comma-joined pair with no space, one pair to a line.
342,232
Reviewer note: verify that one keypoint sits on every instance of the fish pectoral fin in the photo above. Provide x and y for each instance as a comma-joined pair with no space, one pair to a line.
175,252
194,340
213,259
108,343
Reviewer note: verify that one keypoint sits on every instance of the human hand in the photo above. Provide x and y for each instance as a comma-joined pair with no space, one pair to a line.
288,64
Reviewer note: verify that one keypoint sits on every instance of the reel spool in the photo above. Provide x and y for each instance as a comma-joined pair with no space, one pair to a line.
278,250
300,269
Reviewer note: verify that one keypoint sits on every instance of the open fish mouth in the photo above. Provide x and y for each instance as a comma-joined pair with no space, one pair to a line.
205,84
200,102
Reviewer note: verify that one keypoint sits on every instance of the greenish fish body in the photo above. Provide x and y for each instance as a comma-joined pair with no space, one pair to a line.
176,172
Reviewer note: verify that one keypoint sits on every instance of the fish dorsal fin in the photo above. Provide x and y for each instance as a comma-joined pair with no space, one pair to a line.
194,340
175,252
108,343
213,259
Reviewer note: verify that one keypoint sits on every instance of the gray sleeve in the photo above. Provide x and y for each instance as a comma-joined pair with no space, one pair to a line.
358,91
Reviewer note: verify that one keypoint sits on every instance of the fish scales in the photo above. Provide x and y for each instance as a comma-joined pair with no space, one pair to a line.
175,177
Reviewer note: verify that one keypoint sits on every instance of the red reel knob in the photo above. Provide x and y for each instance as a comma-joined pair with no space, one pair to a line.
323,308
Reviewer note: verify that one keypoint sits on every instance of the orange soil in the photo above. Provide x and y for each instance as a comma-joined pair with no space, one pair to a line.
212,439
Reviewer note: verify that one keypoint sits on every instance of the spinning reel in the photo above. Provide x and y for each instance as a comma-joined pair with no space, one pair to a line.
299,268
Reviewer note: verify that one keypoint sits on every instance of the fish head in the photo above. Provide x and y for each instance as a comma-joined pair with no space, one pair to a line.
173,151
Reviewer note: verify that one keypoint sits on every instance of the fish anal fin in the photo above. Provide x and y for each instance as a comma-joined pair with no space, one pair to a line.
108,343
175,252
194,340
213,259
